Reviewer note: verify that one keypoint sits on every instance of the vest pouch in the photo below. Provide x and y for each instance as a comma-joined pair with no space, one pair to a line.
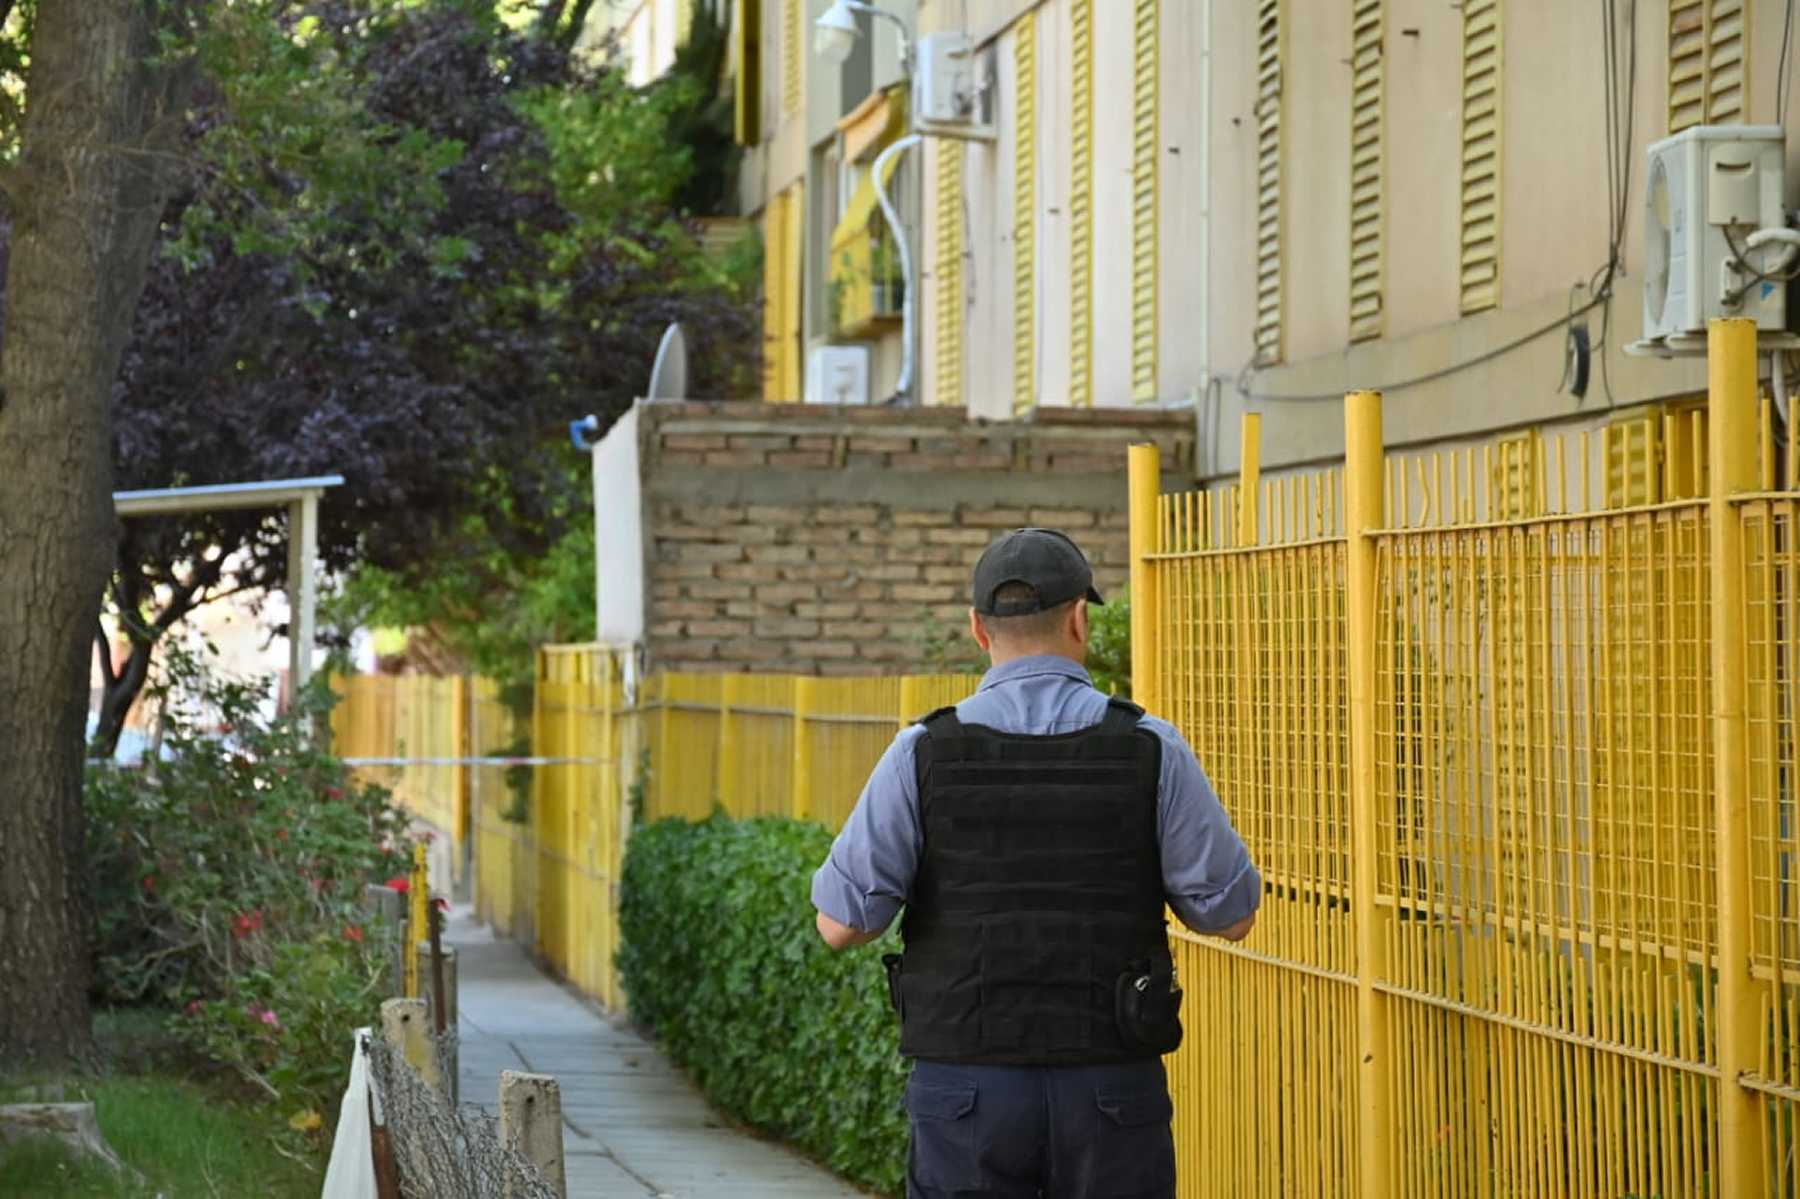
890,962
1147,1004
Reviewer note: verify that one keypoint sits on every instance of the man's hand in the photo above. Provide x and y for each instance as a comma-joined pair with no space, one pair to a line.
842,936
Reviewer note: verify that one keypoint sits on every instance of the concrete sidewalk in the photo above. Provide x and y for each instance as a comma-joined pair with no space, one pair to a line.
634,1127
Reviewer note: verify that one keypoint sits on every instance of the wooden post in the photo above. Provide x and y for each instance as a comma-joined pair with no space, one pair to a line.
531,1121
1364,461
386,907
806,701
1731,400
1144,467
403,1027
419,903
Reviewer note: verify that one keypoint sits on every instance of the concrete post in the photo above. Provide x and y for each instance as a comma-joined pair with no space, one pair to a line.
405,1028
531,1121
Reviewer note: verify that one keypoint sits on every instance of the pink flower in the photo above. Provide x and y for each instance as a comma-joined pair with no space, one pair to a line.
193,1007
267,1016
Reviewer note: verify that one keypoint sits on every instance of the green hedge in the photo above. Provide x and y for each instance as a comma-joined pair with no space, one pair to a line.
720,957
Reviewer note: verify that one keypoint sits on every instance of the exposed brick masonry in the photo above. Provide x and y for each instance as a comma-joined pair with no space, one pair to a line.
812,540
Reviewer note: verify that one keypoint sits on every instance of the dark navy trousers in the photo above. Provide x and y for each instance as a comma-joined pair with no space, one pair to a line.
1040,1132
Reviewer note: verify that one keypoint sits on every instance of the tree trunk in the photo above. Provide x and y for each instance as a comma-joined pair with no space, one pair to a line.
85,199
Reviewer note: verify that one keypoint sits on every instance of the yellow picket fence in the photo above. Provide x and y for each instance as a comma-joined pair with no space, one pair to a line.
1512,736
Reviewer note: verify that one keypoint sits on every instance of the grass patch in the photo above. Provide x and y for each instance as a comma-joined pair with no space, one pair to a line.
184,1136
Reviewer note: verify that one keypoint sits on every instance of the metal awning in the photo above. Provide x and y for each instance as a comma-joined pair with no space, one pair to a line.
301,498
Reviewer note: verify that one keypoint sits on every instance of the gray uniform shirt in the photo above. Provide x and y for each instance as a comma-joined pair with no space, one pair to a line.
1207,874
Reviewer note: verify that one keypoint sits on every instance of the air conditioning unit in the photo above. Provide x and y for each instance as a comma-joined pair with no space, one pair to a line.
1708,192
951,93
837,375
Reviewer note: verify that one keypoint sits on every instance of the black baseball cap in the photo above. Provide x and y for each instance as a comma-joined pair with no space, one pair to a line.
1044,560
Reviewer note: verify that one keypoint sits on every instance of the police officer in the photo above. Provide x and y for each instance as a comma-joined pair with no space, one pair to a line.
1033,833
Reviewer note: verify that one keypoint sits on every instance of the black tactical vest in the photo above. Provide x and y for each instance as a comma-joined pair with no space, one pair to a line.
1040,885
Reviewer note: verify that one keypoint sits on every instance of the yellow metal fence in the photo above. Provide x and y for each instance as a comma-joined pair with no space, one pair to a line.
1515,750
549,837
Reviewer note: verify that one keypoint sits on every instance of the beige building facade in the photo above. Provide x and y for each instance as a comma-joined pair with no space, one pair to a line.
1235,206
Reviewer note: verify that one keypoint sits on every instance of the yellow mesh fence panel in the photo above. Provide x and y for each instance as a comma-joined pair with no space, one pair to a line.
1254,675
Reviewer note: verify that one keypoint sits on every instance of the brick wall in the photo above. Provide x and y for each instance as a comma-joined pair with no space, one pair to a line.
821,540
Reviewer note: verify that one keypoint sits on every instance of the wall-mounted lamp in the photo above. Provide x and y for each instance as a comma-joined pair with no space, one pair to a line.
835,33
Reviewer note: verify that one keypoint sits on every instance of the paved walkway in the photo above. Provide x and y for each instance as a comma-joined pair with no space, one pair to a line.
635,1128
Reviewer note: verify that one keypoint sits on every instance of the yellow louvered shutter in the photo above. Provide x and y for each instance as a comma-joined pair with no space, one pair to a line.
774,310
1727,64
1146,87
948,386
1708,68
1687,64
1518,482
746,54
793,292
1367,91
793,45
1025,215
783,237
1081,204
1479,268
1270,37
1632,446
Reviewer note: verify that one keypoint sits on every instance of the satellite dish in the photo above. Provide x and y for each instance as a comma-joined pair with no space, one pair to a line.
668,378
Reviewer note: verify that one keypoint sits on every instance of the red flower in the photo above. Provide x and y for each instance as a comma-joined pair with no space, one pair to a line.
246,923
353,933
399,883
334,793
150,884
193,1007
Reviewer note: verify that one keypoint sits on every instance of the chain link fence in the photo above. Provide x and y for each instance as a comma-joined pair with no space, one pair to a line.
445,1150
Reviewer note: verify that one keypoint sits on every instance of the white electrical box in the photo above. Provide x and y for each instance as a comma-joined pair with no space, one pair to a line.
1707,190
837,375
950,92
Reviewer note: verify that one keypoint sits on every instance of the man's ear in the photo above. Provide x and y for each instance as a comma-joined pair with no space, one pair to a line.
1078,625
980,634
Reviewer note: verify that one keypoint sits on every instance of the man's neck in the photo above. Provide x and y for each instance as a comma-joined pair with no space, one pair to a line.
1000,657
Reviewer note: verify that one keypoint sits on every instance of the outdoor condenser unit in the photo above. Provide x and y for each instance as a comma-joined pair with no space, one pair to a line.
1713,223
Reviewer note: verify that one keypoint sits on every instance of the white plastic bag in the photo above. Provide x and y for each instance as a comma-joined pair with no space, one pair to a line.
351,1174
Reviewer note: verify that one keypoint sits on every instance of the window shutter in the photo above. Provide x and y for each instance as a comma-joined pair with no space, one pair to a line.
1708,70
1367,117
793,45
793,291
1518,485
948,386
1081,204
1025,215
774,308
746,53
1146,88
1480,265
1269,266
1632,445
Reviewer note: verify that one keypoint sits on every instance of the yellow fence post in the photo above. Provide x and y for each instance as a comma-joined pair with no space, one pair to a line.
806,702
1731,399
1363,473
731,695
1144,474
1249,479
